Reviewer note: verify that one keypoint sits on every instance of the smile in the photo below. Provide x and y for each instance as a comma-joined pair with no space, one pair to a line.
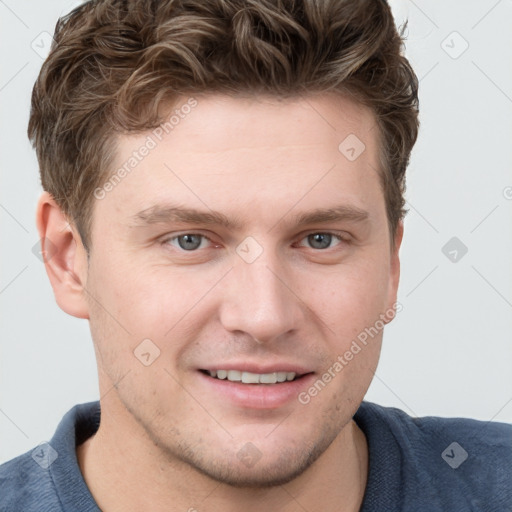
252,378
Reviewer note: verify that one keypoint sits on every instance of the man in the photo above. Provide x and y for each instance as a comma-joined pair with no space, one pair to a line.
223,202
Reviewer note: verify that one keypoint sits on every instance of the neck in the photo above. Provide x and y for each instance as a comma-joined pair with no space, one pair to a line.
125,471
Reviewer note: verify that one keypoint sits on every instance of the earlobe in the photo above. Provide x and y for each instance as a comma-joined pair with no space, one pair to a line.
64,256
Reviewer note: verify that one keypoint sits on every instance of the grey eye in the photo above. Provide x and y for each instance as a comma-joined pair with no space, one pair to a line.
320,240
189,242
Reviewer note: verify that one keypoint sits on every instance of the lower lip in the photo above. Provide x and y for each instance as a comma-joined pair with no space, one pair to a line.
258,396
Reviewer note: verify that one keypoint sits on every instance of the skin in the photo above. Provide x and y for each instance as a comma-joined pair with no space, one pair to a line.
168,440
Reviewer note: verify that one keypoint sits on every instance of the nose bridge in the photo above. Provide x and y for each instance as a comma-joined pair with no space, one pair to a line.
259,301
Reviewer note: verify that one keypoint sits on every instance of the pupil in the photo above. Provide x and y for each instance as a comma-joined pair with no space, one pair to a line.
320,240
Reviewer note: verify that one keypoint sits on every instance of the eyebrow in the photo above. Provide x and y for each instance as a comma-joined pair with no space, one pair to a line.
166,214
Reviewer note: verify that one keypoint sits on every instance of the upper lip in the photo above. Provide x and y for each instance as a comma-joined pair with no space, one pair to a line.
259,368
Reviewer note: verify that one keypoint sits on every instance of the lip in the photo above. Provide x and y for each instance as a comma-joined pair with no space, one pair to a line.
255,396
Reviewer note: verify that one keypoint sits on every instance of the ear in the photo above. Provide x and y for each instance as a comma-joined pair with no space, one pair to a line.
394,269
64,256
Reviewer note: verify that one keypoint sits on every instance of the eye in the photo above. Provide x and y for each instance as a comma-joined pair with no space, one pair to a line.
321,240
187,241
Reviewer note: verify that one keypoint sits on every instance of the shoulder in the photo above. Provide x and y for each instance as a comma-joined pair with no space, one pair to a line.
27,485
460,462
48,477
429,428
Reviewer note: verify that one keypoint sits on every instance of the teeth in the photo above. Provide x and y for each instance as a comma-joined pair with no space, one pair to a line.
234,375
252,378
268,378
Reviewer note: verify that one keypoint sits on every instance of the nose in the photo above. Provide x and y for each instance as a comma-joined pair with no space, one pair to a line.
259,300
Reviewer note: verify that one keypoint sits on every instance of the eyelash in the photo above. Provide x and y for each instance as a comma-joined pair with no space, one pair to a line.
336,235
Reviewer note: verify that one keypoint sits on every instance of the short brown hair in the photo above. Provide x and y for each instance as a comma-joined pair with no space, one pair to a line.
114,62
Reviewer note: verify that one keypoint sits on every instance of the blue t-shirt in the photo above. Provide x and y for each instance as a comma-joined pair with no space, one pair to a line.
425,464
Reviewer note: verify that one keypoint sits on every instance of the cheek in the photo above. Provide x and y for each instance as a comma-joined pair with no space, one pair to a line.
156,303
352,310
133,292
350,298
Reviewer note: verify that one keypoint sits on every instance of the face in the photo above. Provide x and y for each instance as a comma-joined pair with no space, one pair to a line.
244,244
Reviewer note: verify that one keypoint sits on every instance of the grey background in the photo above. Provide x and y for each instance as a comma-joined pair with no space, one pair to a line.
448,353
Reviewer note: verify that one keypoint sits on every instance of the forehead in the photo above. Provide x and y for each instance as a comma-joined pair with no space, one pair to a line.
223,123
249,154
218,123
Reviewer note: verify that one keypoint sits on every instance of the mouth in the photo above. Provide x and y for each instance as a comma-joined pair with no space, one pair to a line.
253,378
263,390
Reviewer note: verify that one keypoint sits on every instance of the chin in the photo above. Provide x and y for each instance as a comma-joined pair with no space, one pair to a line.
249,467
261,475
